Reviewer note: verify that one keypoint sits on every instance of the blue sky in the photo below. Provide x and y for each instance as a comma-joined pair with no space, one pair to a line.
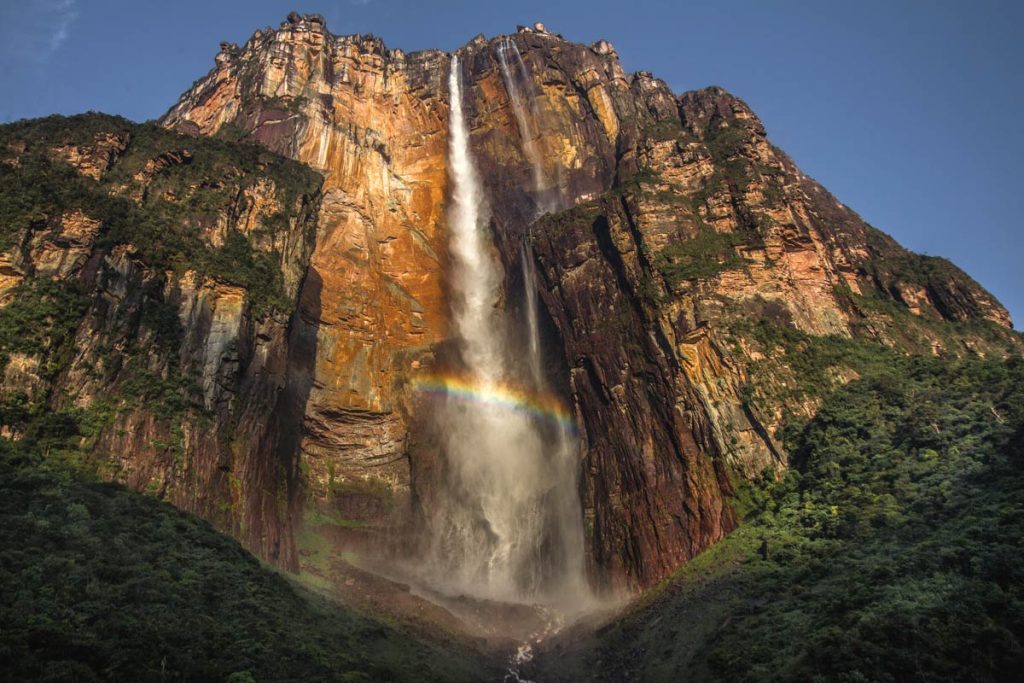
910,112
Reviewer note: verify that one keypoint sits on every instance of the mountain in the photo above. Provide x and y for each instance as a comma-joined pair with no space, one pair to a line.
148,284
889,552
679,220
234,309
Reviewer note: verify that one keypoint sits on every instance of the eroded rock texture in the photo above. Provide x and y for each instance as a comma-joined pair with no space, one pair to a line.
687,221
148,285
672,225
371,120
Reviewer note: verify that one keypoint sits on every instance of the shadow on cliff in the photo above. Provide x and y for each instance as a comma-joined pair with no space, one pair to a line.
291,407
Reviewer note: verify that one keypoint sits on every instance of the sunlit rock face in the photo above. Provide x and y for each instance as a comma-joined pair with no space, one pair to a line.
373,122
687,222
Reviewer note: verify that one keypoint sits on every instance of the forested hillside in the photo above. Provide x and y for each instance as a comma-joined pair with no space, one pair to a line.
893,550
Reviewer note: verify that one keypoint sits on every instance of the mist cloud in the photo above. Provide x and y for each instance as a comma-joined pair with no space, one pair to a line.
34,30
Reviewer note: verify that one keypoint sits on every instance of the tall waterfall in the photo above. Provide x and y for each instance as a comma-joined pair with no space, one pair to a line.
526,131
475,280
548,192
547,198
509,525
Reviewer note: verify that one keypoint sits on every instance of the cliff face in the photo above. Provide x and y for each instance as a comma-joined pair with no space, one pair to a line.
680,226
238,333
371,121
148,282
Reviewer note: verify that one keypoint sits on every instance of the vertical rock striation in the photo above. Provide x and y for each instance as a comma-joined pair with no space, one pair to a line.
685,228
373,122
149,286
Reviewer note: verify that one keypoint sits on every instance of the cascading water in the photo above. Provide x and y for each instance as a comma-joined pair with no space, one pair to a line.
509,525
532,319
547,199
564,498
548,195
526,133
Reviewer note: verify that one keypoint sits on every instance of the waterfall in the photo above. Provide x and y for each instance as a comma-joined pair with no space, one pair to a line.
532,321
547,199
526,133
475,281
508,526
549,196
564,500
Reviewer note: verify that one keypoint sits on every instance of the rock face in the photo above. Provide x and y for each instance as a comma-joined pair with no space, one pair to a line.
146,306
372,122
672,225
686,223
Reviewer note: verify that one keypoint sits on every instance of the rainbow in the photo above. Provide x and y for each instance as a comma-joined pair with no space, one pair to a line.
503,396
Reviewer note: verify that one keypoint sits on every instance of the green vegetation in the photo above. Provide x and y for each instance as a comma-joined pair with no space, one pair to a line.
892,551
324,517
726,146
99,583
162,196
774,194
666,129
734,170
798,370
188,184
373,487
286,104
704,256
896,546
42,314
317,544
581,216
726,142
812,366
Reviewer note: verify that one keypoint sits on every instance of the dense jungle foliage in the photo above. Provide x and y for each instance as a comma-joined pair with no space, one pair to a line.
98,583
892,551
157,197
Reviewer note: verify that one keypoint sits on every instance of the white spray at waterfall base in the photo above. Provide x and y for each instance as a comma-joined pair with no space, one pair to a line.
509,525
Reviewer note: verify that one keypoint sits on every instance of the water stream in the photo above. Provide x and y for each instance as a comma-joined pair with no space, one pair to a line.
527,133
508,526
548,188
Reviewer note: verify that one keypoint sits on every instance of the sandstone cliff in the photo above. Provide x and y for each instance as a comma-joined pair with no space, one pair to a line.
148,283
681,227
240,334
371,121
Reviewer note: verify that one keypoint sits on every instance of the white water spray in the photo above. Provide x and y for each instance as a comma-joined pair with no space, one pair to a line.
526,132
547,199
509,526
529,139
532,319
475,282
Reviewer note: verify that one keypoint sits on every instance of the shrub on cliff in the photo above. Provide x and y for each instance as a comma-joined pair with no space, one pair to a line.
180,185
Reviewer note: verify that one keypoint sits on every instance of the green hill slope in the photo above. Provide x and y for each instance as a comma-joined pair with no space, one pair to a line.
100,583
893,551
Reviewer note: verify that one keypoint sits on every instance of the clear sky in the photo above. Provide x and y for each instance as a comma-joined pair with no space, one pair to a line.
908,111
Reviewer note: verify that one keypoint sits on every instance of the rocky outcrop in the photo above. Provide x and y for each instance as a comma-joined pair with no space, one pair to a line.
94,157
148,292
688,224
239,334
373,305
